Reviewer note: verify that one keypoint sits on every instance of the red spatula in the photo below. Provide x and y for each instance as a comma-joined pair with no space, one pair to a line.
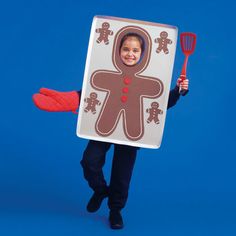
188,43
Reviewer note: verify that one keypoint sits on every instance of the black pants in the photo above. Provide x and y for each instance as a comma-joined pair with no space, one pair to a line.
122,168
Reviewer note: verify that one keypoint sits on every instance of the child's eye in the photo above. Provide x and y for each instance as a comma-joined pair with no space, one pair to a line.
135,50
125,49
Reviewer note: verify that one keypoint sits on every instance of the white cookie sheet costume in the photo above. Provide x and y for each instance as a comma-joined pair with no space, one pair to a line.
123,104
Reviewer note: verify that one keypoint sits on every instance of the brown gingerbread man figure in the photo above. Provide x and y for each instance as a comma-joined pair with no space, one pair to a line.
163,42
154,112
125,90
104,33
92,103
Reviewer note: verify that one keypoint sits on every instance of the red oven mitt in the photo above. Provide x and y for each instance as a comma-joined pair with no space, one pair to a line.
54,101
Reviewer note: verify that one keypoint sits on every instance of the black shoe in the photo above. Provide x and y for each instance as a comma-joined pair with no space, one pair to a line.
96,201
115,219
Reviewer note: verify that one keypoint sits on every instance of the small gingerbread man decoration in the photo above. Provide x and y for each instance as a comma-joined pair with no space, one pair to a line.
154,112
163,42
92,103
104,33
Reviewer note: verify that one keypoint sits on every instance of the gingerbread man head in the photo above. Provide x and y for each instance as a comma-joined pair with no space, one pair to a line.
164,34
93,95
154,104
145,43
105,25
131,48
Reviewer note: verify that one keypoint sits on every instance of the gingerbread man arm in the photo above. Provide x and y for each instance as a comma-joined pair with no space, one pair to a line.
98,30
151,87
101,80
169,41
97,102
158,40
110,32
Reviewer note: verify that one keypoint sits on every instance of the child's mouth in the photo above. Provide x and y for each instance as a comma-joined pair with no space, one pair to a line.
130,59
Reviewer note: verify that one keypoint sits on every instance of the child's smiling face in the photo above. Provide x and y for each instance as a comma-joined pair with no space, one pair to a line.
130,51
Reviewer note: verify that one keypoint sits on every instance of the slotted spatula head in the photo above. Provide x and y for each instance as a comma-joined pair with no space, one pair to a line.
188,42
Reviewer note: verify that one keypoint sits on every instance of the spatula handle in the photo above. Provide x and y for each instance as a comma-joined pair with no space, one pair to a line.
184,68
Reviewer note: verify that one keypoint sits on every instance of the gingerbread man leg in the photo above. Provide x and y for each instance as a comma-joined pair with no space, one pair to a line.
165,49
93,110
106,41
133,123
86,109
149,119
159,49
99,40
107,120
156,120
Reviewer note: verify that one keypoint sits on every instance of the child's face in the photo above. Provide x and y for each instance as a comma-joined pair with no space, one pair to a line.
130,51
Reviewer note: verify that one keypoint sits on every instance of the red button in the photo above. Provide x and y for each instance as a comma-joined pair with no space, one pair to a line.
124,98
127,80
125,90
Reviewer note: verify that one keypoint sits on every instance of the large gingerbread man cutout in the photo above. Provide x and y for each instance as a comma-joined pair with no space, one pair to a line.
125,90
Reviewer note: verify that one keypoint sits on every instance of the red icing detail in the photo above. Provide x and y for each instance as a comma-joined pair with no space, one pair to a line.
125,90
124,98
127,80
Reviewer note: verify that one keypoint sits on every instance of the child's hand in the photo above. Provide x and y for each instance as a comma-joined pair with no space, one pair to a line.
182,83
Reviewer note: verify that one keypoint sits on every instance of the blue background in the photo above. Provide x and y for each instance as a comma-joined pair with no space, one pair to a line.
187,187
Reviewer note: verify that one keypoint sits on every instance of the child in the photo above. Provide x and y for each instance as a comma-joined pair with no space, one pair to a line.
131,50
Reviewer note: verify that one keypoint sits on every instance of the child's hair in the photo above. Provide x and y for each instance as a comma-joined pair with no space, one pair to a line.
140,39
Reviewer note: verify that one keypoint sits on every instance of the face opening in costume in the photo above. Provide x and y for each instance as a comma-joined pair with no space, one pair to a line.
131,49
